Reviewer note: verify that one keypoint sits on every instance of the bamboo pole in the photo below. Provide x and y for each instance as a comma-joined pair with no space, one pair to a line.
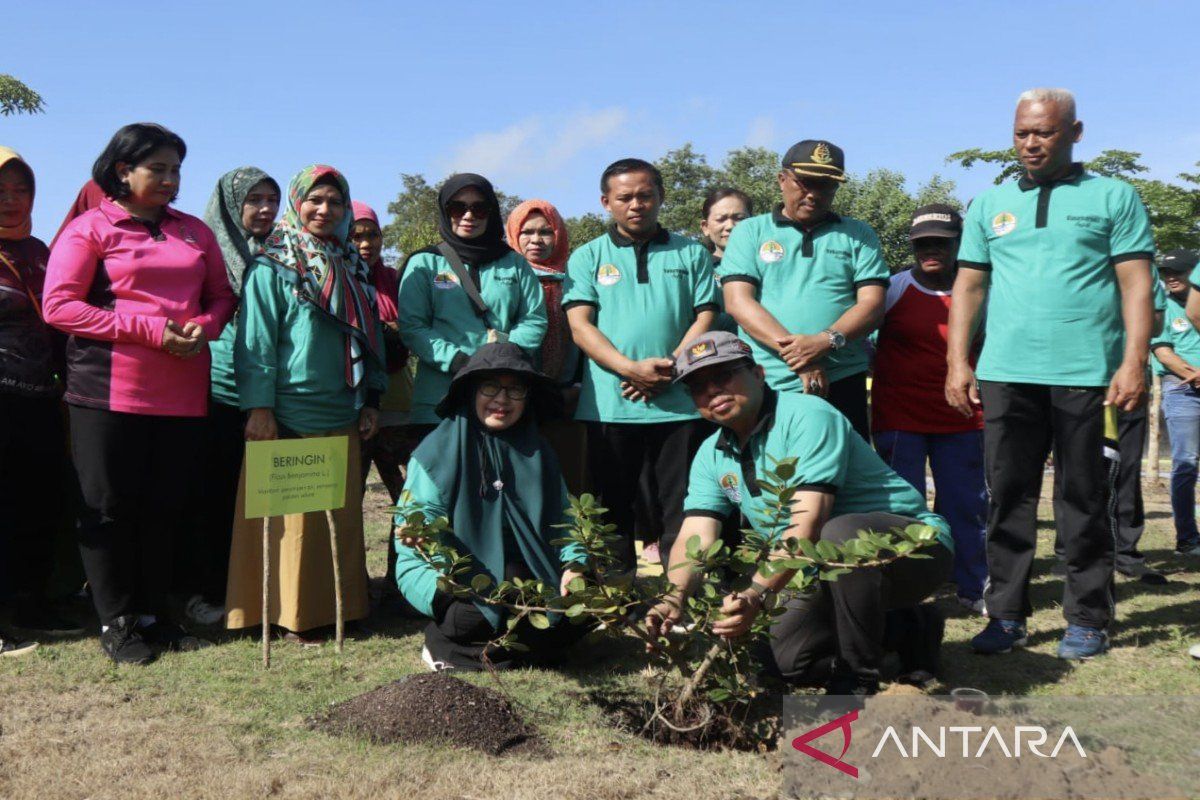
340,628
266,592
1155,428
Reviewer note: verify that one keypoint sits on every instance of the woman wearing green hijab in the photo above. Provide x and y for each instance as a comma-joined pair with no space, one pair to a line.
487,470
241,213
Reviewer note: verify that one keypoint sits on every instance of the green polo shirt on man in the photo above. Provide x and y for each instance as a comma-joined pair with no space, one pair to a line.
645,296
830,457
1178,333
1054,304
439,324
806,279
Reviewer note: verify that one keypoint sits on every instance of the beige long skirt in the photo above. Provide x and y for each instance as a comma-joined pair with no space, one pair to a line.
301,583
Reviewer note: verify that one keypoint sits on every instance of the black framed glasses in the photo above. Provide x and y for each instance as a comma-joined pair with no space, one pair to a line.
457,208
493,389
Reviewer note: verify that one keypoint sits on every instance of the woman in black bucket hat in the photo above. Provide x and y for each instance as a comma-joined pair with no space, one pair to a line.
491,474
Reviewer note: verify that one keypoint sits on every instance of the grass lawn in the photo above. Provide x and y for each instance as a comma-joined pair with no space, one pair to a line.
213,724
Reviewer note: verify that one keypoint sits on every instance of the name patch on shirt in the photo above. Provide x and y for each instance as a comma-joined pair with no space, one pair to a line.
607,274
771,251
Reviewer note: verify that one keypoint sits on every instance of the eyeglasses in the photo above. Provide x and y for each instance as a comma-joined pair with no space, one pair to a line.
457,208
700,385
490,389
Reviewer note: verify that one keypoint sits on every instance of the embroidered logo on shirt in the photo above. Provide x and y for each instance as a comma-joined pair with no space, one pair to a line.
445,280
607,275
771,251
731,487
1004,223
187,235
1180,325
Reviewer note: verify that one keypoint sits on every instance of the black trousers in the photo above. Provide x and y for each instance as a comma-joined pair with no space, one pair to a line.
1023,423
1131,513
617,453
844,621
460,634
138,478
34,487
849,396
202,560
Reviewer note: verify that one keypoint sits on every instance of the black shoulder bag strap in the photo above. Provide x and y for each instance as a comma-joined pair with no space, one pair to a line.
466,279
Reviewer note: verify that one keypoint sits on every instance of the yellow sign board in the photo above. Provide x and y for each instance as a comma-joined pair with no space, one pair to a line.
293,476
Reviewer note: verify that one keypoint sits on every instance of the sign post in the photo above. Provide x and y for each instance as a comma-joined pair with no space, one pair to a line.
296,476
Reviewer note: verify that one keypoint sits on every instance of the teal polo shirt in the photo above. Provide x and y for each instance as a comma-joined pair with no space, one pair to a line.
439,324
646,295
831,457
1178,333
1054,305
806,279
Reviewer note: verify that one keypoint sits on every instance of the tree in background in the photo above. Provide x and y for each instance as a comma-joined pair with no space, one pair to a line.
17,98
1174,208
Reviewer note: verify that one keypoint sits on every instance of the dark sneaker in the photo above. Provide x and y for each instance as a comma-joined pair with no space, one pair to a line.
44,622
12,647
1144,574
1080,642
1191,549
1000,636
124,643
169,636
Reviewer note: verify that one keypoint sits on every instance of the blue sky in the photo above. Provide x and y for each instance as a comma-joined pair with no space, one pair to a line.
541,96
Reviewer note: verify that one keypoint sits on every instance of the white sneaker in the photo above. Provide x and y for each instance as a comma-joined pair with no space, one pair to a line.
974,605
1195,651
202,612
434,666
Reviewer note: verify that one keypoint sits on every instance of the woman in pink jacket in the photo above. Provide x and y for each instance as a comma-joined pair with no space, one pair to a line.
140,288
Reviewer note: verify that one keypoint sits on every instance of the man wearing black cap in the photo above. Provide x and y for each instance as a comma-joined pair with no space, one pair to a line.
1062,259
807,286
911,422
1177,360
833,635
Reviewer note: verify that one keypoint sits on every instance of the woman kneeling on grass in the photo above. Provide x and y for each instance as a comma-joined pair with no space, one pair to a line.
491,474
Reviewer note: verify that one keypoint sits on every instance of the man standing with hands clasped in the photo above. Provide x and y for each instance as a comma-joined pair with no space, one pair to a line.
807,286
1062,258
633,296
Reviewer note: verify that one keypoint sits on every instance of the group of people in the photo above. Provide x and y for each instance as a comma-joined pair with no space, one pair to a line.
499,370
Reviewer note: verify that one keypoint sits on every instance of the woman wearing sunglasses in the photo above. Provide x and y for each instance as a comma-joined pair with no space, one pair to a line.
468,290
487,470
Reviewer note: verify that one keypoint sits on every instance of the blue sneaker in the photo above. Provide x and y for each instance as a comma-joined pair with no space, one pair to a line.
1080,642
1000,636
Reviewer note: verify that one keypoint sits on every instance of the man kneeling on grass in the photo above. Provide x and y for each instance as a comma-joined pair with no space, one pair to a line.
835,634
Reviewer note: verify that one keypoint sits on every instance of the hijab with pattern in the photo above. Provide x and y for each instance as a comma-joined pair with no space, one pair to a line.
488,246
327,271
224,215
551,272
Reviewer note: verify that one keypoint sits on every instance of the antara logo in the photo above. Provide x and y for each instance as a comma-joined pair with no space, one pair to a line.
801,743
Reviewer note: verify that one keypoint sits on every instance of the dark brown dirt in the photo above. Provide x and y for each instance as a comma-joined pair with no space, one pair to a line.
433,708
707,726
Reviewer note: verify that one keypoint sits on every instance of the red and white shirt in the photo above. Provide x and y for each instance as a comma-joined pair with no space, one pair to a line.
908,390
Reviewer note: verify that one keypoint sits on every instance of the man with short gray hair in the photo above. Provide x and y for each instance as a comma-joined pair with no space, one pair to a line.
1062,258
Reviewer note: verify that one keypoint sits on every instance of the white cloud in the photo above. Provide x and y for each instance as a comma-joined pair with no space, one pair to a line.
533,146
763,132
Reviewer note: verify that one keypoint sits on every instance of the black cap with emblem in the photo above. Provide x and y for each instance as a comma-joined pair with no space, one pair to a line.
935,220
1180,260
816,158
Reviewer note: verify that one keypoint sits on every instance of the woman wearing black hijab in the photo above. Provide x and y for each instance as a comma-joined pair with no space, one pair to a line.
468,290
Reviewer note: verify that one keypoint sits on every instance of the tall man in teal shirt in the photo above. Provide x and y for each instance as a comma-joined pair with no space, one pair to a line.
633,296
1062,258
806,285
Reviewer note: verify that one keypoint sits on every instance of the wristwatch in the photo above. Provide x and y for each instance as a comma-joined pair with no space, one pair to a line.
837,340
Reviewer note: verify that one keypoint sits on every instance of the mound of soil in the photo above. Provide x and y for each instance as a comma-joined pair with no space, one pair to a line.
437,708
706,726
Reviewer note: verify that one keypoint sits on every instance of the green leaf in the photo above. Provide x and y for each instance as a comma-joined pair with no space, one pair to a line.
481,583
539,620
827,551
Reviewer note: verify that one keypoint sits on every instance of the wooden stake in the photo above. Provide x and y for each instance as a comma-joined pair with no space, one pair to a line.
1155,428
340,629
266,594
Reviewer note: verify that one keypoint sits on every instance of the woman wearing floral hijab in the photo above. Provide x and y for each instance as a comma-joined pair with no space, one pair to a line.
241,213
469,290
309,362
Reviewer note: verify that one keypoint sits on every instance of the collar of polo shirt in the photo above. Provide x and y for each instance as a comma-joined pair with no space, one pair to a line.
1073,173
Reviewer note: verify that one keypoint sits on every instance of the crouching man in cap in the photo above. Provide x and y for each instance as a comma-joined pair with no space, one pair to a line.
833,636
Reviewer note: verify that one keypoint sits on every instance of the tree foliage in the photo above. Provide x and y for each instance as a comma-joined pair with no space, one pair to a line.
17,98
1174,208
